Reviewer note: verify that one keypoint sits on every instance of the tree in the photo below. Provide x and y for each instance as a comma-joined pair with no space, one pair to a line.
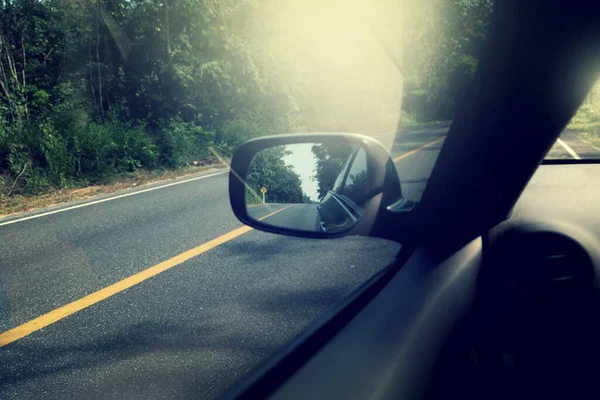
330,159
90,89
94,88
268,170
441,46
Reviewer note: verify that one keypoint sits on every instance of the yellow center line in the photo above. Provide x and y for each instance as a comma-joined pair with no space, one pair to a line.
275,212
102,294
410,153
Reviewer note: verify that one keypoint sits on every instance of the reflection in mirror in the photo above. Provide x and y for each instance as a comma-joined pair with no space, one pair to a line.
315,187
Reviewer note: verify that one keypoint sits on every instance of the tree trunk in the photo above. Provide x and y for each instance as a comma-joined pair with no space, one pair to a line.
92,80
98,60
5,85
168,32
24,66
24,61
7,19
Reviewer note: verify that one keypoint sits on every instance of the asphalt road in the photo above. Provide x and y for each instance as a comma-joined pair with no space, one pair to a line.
297,216
199,324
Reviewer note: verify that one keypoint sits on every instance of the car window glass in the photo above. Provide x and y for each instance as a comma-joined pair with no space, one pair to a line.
357,181
118,121
340,178
358,169
580,140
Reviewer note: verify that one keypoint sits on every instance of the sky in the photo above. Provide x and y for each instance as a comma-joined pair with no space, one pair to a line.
347,53
303,161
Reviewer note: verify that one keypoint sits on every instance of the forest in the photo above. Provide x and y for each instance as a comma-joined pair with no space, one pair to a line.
95,89
268,169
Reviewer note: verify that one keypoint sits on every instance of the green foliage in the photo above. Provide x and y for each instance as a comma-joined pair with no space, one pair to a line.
306,199
589,112
90,90
57,157
112,147
239,130
587,119
330,160
406,120
36,181
180,142
442,41
94,89
268,169
357,188
50,157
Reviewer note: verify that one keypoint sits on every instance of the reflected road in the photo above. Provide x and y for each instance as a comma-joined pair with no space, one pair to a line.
297,216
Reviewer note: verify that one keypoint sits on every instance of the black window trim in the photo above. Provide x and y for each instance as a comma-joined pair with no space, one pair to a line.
347,168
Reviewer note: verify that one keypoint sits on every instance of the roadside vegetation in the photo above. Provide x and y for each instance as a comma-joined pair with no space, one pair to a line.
268,169
94,92
330,158
587,120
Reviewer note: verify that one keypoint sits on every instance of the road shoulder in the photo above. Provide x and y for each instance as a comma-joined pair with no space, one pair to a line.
93,199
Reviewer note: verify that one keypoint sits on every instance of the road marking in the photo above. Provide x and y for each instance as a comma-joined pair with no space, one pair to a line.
410,153
102,294
568,149
257,205
14,221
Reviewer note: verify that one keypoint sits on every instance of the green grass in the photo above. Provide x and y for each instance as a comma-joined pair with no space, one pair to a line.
590,127
588,130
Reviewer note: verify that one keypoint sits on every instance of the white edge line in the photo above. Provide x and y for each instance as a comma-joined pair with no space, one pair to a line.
14,221
568,149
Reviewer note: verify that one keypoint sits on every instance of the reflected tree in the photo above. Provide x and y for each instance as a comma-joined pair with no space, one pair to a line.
268,170
358,187
330,158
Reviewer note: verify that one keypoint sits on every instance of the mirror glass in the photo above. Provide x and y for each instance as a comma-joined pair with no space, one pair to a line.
315,187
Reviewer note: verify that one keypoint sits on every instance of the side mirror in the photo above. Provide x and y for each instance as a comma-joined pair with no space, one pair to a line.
315,185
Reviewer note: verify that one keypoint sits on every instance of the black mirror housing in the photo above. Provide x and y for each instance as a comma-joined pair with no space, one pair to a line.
377,207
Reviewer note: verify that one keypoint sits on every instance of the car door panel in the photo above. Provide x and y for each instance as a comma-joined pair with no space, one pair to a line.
389,348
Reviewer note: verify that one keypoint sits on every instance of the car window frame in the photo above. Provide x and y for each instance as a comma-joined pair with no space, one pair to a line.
344,171
344,184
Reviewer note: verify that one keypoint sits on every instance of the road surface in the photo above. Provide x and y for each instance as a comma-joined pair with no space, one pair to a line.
161,292
296,216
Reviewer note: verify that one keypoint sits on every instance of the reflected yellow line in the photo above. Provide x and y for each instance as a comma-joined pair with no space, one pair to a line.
102,294
256,205
275,212
410,153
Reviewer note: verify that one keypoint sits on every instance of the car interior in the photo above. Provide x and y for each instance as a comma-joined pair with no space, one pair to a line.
495,292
